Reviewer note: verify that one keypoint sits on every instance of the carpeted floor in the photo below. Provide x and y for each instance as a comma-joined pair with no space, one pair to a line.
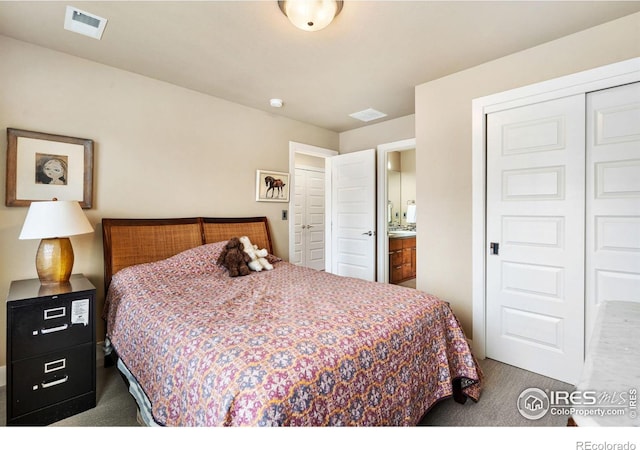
497,406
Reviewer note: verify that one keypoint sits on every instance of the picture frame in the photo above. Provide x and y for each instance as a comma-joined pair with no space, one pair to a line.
42,166
272,186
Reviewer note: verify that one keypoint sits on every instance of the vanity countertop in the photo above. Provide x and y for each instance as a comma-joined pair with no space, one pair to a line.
401,234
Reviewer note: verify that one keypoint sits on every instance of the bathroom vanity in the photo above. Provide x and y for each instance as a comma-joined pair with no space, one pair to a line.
402,256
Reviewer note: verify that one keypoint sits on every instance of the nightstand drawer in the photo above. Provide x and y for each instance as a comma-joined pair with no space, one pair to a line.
40,327
45,380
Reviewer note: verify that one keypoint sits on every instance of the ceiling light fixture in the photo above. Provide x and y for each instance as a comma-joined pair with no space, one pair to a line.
311,15
276,102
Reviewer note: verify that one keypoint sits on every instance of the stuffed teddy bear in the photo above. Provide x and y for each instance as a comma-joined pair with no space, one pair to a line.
234,258
258,260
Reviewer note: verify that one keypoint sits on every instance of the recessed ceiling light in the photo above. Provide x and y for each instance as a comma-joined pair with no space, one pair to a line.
276,102
84,23
368,115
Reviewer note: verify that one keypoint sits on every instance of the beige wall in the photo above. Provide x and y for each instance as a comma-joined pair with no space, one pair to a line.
371,136
160,151
443,135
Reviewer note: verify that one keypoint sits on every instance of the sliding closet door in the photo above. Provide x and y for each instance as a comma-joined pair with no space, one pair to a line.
613,198
535,237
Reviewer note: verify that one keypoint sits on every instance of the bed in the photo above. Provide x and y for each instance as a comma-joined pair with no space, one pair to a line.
286,347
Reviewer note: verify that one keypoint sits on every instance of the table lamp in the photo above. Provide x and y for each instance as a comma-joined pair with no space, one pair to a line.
53,222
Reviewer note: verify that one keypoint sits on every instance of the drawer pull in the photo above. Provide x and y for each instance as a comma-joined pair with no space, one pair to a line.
55,383
54,329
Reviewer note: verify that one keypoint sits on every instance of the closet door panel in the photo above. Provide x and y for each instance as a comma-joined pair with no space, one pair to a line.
315,220
535,218
299,217
612,198
309,226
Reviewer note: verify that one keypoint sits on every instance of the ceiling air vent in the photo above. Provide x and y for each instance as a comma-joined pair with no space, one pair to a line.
367,115
84,23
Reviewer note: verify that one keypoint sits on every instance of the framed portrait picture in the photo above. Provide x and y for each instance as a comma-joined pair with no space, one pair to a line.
272,186
44,166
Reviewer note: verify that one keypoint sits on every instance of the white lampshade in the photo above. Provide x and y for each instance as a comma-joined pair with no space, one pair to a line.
311,15
54,219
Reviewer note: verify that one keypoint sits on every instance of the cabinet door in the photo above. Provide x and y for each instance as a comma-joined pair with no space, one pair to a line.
397,258
395,244
414,270
397,274
406,271
406,256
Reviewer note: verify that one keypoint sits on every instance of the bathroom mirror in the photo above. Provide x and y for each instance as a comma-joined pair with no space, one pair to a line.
401,189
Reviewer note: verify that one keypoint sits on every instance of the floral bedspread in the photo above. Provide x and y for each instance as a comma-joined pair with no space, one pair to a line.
291,346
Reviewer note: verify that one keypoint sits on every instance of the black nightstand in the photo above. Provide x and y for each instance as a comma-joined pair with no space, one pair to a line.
51,350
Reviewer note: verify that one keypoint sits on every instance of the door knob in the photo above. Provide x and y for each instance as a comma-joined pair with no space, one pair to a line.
368,233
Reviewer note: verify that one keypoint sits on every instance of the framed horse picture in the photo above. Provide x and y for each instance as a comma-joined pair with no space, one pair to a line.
272,186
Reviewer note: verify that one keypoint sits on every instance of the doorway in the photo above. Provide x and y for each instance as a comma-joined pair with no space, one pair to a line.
392,218
309,169
381,241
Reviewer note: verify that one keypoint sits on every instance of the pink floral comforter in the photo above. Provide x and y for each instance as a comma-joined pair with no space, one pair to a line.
291,346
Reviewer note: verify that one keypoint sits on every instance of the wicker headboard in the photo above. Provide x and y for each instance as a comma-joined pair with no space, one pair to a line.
135,241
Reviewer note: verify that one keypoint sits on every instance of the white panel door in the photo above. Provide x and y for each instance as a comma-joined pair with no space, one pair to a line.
613,198
297,255
353,192
535,216
309,227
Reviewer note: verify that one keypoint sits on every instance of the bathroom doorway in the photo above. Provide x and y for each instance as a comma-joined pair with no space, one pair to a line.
397,227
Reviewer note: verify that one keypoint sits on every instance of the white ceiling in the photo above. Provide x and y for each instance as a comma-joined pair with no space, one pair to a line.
372,56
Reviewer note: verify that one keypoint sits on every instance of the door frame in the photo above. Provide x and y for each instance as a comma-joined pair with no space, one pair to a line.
311,150
579,83
382,240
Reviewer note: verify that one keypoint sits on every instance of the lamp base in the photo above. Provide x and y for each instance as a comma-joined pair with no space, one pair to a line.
54,260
